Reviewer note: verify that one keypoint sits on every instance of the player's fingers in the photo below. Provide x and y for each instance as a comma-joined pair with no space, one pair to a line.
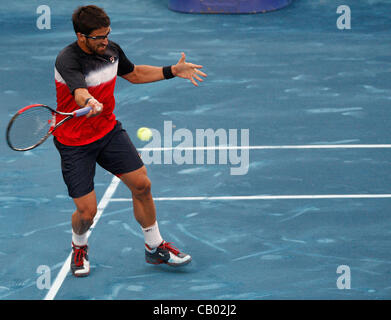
183,58
96,109
90,114
192,65
193,81
96,106
200,73
198,78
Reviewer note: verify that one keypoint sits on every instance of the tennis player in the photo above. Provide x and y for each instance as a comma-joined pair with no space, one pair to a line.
85,75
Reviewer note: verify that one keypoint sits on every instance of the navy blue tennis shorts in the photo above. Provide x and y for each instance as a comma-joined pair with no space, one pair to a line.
114,152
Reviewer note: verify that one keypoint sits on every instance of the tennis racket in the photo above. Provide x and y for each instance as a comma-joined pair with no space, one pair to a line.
32,125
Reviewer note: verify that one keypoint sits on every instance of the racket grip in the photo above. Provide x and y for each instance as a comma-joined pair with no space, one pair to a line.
82,112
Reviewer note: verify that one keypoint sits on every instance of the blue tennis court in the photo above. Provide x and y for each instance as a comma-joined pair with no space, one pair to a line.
312,190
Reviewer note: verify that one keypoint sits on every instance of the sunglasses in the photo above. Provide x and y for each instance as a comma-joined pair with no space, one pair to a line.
97,37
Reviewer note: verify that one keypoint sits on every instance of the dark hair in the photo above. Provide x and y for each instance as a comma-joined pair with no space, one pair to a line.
89,18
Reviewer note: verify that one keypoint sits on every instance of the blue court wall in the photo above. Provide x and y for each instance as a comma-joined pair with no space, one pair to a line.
227,6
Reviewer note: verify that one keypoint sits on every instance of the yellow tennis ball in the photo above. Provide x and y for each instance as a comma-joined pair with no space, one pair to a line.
144,134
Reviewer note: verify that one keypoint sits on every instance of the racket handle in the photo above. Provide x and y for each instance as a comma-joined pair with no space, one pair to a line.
82,112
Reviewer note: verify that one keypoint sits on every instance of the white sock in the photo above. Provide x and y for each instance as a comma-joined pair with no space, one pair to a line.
79,239
152,236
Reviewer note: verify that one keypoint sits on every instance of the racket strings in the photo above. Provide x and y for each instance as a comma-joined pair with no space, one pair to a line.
30,127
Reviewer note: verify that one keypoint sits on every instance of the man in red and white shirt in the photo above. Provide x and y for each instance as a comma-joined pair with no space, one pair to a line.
85,75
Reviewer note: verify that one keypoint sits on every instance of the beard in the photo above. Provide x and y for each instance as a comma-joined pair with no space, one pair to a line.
97,49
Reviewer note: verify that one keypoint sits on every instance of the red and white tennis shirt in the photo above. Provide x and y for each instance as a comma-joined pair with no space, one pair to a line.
75,69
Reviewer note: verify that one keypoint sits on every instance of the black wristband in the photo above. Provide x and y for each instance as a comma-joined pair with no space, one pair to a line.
88,99
167,72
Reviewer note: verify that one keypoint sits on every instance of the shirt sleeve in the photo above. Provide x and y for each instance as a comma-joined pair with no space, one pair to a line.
71,72
125,66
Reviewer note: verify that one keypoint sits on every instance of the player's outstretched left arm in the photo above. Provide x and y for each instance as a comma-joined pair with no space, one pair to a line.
183,69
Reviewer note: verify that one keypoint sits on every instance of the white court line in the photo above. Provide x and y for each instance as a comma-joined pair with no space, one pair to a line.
266,197
66,266
314,146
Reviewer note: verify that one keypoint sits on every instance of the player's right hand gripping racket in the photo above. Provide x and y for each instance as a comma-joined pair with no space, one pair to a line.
33,124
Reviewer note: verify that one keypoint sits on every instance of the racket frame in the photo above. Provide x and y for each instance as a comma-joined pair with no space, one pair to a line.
70,115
